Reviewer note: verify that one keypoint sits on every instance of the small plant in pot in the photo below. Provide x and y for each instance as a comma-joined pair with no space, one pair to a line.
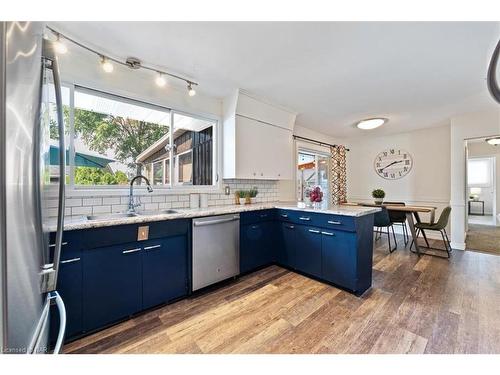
241,196
253,194
379,195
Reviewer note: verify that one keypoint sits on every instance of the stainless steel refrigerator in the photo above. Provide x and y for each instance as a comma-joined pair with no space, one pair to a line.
29,264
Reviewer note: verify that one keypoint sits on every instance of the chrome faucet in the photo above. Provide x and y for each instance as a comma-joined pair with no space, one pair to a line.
131,204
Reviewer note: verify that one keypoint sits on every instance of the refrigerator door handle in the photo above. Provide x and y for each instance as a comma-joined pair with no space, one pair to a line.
50,271
54,296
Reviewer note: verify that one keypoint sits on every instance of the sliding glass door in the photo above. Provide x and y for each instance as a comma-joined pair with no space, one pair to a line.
313,169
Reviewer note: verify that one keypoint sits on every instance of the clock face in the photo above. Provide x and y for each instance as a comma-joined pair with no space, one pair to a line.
393,163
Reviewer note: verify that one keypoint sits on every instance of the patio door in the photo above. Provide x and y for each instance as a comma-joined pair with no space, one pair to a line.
313,169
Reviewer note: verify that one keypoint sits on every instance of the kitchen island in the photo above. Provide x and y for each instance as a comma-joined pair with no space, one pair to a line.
112,269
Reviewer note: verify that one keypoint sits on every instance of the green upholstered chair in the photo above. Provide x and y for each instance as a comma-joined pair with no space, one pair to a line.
439,226
382,220
399,217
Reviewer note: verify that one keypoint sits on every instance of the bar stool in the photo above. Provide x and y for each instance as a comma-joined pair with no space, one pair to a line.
382,220
399,217
439,226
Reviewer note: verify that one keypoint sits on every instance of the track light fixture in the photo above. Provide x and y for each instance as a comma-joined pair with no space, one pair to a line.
106,65
130,62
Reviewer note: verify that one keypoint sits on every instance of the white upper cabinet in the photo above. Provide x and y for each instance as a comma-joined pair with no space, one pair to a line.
257,139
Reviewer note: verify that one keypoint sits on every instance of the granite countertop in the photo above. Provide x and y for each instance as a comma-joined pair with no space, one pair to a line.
81,222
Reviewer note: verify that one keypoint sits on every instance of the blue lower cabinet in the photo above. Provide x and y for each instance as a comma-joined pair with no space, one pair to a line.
69,287
112,284
256,245
165,270
339,258
286,254
308,250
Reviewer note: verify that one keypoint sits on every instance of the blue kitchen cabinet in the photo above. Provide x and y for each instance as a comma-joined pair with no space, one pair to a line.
164,270
308,250
69,287
256,245
339,258
286,253
112,284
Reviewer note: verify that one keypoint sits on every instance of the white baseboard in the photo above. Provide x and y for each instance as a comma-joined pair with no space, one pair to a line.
458,246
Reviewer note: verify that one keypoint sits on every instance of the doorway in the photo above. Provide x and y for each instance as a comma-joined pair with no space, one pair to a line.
483,198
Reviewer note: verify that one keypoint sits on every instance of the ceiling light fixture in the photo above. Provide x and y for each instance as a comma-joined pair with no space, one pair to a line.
59,46
160,80
371,123
106,65
495,141
191,91
130,62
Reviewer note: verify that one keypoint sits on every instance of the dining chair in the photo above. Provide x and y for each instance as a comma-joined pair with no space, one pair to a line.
382,220
399,217
439,226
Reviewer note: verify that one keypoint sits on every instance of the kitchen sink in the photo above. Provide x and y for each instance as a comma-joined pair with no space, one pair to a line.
155,212
110,216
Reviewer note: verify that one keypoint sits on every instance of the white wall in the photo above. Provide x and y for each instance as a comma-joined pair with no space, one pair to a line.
428,183
472,125
483,149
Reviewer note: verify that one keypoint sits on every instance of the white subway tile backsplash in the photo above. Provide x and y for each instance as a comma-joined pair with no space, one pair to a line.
103,202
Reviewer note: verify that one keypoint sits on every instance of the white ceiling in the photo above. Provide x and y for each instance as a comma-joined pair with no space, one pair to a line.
331,73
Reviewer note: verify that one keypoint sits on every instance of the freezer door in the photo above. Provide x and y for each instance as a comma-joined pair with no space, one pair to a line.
22,298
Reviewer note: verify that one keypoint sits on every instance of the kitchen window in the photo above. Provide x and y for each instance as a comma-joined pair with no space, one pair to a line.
312,170
114,138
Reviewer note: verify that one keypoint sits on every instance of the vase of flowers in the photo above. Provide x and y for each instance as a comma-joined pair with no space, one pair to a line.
316,197
378,195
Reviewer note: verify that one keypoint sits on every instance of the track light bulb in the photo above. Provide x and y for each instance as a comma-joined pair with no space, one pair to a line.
160,80
60,47
191,91
106,65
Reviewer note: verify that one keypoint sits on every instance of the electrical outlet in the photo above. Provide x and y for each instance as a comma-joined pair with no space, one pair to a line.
143,233
227,190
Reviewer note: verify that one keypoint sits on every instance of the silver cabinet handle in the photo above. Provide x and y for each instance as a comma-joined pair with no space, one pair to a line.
289,226
304,218
152,247
314,231
328,233
54,245
334,222
70,260
131,251
284,215
255,227
263,215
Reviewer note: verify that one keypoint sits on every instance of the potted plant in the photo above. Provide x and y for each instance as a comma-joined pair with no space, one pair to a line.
253,194
241,194
379,195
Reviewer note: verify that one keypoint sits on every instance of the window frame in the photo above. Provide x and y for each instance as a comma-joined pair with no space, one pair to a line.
307,148
171,188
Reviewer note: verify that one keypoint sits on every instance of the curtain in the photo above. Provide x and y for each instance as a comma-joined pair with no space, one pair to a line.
338,180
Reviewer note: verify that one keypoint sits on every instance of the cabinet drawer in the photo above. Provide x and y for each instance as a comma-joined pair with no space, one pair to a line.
257,216
338,222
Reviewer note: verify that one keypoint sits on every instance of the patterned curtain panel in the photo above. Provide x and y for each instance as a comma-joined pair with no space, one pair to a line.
338,180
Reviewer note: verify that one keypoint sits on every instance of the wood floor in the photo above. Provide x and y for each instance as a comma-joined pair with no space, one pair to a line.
425,305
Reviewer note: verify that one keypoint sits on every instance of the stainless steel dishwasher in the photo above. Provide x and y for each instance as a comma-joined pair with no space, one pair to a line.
216,249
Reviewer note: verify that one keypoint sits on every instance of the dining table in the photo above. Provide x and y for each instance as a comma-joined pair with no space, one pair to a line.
412,216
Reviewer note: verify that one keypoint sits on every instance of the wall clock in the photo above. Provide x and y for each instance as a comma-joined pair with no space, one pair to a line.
393,163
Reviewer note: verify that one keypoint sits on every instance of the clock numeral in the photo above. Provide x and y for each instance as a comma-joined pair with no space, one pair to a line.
407,162
391,151
385,174
378,164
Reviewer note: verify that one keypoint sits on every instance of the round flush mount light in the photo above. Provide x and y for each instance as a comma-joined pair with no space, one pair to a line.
495,141
371,123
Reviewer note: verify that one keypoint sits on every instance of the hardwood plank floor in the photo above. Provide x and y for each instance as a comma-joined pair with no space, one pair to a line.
416,305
